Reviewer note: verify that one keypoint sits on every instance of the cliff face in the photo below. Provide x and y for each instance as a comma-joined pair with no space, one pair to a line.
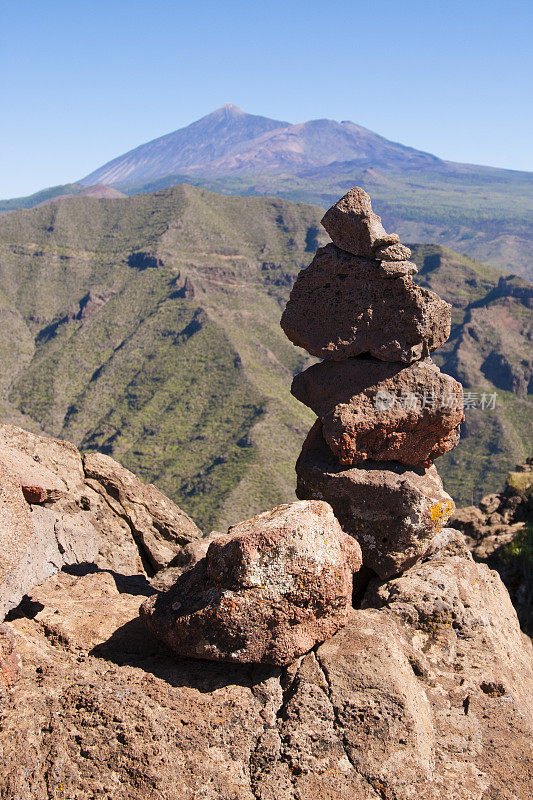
416,696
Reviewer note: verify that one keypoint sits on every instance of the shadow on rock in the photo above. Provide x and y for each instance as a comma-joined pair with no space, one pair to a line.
132,645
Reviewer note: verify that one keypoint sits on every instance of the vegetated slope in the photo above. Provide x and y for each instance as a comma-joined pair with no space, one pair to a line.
484,212
149,328
37,198
489,351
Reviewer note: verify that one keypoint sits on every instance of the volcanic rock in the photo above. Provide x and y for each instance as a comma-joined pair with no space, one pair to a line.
498,533
354,227
159,525
35,543
63,516
413,699
9,663
269,591
393,252
379,410
393,511
342,306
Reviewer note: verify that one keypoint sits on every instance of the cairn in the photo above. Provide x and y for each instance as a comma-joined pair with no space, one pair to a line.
385,411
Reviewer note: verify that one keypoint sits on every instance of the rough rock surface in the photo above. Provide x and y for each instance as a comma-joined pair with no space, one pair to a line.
354,227
359,307
428,696
393,511
392,252
34,542
267,592
378,410
499,532
117,524
9,664
159,525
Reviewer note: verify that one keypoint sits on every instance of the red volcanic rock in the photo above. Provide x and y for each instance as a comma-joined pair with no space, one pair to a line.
354,227
267,592
36,495
379,410
393,511
9,663
392,252
342,306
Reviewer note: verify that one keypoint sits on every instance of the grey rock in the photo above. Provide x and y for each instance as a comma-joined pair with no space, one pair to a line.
36,543
159,526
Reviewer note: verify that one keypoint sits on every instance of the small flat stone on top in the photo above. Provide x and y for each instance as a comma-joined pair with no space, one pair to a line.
354,227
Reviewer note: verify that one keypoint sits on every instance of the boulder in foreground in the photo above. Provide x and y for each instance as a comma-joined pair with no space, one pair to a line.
268,592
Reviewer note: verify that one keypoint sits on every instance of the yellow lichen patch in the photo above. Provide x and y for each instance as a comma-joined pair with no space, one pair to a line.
441,512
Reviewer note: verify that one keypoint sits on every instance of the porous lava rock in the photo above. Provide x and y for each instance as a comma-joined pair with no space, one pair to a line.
9,664
383,411
342,306
158,524
268,592
354,227
392,510
392,252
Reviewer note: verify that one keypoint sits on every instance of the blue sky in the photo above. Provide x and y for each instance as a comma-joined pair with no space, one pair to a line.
83,82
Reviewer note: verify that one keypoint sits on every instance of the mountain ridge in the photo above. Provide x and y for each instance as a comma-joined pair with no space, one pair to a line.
148,328
483,212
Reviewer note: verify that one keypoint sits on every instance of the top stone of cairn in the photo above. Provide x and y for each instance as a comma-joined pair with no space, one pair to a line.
354,227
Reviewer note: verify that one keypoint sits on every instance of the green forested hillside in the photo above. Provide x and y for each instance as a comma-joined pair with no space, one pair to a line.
149,328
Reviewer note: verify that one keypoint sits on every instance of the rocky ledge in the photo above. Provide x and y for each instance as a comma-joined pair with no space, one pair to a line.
415,696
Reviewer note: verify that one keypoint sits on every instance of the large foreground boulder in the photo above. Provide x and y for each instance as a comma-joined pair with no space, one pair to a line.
267,592
342,306
426,696
383,411
392,510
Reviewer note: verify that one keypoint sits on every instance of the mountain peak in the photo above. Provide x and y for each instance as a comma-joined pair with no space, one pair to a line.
229,108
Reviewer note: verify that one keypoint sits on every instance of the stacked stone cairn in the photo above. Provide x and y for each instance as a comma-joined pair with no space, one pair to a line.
385,411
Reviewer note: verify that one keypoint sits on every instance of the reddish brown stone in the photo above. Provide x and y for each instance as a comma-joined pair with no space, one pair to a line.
267,592
378,410
392,252
354,227
342,306
37,495
392,510
9,662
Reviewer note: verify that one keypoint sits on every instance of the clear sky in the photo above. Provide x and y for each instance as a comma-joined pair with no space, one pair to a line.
82,82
